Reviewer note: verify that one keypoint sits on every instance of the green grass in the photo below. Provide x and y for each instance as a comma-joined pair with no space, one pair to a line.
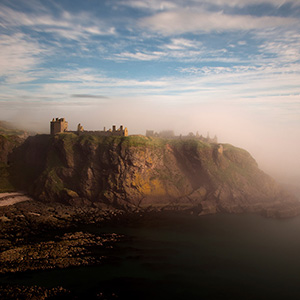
9,132
11,138
66,136
192,143
53,160
142,141
5,184
131,141
56,183
234,171
229,149
8,129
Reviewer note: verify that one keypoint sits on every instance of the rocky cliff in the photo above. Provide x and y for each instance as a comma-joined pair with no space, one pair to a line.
141,173
7,145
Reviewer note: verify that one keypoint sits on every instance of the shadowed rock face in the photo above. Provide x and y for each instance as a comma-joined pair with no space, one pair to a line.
7,145
139,172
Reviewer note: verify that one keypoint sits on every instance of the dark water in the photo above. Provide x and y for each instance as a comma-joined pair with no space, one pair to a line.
189,257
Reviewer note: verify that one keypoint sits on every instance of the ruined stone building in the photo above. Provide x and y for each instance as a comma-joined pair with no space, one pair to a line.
59,125
162,134
169,134
121,131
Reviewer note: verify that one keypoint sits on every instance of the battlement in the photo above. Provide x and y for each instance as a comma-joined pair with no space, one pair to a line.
169,134
60,125
110,132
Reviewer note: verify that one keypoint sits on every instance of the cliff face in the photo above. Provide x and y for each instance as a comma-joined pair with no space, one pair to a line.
7,144
10,139
139,172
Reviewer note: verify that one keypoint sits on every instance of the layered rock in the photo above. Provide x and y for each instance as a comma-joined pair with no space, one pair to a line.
141,173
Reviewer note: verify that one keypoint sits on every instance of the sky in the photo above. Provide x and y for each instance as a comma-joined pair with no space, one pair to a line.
230,68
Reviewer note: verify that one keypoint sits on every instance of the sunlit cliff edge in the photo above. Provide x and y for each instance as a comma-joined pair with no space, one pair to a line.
144,173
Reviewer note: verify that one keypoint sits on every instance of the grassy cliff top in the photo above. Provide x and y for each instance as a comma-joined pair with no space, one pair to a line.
131,141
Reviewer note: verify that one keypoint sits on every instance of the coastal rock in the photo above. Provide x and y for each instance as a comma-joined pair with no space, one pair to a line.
71,249
13,292
137,172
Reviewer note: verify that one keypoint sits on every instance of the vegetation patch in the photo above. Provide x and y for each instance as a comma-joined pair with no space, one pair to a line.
189,144
5,184
142,141
53,160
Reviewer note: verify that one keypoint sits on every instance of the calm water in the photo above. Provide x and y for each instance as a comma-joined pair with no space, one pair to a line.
189,257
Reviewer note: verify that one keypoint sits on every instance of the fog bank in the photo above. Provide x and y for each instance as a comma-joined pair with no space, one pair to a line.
270,139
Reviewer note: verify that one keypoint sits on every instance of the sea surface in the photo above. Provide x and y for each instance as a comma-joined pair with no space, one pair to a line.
176,256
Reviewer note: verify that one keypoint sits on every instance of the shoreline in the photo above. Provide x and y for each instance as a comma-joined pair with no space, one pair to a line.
151,241
11,198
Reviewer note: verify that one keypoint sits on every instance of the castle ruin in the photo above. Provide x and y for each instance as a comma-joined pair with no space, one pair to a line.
169,134
121,131
60,125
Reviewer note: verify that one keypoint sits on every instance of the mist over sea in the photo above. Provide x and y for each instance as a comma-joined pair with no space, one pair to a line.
176,256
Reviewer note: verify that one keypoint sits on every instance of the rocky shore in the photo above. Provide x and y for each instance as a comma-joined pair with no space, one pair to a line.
9,292
31,218
35,236
68,250
32,230
7,199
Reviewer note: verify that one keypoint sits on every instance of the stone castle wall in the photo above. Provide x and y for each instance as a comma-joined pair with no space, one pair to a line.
60,125
118,132
169,134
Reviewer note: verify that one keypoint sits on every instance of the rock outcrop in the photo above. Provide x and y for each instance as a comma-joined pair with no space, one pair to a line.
147,173
7,145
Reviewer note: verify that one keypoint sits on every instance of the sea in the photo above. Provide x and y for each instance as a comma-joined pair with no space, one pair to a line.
181,256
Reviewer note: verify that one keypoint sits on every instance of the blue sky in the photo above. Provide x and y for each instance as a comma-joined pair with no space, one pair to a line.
231,67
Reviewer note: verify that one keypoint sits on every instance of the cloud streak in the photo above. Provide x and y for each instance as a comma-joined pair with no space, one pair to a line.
65,25
188,20
19,54
193,63
88,96
155,5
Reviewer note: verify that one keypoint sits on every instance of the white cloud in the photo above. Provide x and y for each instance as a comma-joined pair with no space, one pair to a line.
243,3
190,20
157,5
74,26
153,5
239,83
18,55
139,56
177,49
181,44
284,47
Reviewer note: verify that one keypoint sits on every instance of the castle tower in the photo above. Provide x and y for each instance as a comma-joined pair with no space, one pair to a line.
58,125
